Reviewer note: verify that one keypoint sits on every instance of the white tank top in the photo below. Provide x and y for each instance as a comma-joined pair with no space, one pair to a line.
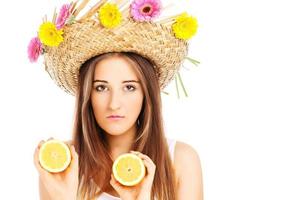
171,144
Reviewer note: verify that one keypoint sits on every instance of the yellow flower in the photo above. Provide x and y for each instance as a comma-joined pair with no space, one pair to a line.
185,26
109,15
49,35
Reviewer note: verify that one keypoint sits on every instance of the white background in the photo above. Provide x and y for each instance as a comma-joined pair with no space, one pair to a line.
242,114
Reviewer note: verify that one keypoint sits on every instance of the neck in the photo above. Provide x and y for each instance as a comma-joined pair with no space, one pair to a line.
119,144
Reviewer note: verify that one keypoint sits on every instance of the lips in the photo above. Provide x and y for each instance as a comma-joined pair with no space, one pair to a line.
115,116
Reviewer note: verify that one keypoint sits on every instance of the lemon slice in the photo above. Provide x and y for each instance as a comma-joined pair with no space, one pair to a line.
54,156
129,169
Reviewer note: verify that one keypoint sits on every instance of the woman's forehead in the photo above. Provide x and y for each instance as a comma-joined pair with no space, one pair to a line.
115,68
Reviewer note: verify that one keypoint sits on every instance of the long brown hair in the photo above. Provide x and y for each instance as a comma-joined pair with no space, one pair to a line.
91,144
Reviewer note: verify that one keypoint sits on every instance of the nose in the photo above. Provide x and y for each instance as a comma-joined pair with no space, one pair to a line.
115,102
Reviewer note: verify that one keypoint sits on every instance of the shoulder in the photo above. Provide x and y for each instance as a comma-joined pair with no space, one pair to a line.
188,167
182,147
185,155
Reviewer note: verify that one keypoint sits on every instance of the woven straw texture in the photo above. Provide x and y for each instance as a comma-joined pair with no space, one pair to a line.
86,39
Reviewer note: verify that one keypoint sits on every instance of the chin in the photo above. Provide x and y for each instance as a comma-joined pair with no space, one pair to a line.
115,130
115,133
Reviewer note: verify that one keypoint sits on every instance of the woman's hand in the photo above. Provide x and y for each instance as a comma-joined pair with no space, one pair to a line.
142,191
62,185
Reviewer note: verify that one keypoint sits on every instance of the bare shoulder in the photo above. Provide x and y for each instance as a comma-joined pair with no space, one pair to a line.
184,149
188,167
186,155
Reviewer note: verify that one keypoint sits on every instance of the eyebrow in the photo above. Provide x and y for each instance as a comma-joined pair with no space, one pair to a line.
127,81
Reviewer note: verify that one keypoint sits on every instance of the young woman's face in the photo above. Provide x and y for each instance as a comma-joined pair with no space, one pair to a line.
116,91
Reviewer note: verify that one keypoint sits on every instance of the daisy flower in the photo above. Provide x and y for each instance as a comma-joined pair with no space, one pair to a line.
109,15
34,49
64,13
185,26
49,35
145,10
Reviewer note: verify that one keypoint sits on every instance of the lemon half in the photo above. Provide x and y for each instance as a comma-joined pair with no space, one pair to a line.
54,156
129,169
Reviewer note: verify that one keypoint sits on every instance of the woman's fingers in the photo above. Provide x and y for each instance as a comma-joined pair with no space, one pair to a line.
74,154
41,171
36,155
69,143
115,184
150,167
40,144
144,157
36,159
73,167
74,162
147,161
141,155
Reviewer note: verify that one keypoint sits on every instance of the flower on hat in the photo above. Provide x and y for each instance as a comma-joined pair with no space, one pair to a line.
64,13
145,10
185,26
109,15
49,35
34,49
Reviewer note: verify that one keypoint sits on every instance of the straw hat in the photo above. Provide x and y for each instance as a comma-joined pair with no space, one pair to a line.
67,42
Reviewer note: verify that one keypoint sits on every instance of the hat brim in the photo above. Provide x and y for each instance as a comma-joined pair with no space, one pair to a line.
84,40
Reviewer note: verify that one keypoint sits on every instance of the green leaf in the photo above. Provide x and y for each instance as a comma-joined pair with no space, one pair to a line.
43,51
182,85
165,92
70,20
177,87
193,61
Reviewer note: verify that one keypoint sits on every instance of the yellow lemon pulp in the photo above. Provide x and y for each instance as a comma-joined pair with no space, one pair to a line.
54,156
129,169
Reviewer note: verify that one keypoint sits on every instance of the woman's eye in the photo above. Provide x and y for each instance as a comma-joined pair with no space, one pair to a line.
100,88
130,87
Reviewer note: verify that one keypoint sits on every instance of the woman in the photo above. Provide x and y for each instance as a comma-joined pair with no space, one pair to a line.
125,85
101,94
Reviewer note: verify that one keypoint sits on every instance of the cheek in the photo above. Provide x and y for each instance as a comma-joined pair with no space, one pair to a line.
98,105
135,104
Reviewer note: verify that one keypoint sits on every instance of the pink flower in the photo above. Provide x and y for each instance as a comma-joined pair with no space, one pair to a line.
34,49
64,13
145,10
